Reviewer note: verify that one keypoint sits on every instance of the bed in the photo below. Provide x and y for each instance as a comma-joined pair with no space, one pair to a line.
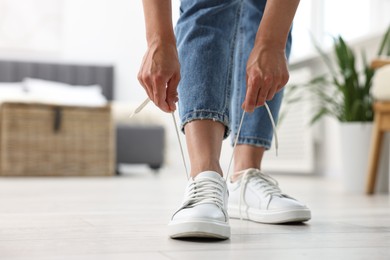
134,144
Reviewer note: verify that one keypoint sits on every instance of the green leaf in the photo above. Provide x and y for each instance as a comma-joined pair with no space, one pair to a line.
322,112
344,91
324,57
384,48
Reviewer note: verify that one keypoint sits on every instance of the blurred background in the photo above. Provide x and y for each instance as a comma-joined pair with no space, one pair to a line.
68,84
107,37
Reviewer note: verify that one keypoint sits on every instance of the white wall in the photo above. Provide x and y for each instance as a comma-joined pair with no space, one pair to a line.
96,31
112,31
107,31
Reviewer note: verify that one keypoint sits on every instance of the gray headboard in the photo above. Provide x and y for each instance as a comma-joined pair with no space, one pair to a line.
74,74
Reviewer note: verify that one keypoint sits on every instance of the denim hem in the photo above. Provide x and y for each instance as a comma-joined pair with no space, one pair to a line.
206,114
255,141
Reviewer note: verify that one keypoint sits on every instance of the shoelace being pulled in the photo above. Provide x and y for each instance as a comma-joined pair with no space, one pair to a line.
147,100
268,185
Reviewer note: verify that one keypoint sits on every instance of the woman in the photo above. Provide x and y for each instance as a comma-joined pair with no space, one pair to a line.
228,56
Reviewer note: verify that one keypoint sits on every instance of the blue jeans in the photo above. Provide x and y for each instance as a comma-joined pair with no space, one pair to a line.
214,39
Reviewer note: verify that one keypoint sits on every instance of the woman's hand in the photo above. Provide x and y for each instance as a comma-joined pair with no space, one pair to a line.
266,74
160,70
160,75
266,70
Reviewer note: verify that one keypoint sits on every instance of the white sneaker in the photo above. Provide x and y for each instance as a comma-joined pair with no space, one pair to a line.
257,197
204,209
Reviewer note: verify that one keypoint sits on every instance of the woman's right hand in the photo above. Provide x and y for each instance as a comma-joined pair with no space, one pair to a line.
160,75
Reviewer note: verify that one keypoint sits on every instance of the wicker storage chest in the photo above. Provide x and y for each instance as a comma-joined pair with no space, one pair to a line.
50,140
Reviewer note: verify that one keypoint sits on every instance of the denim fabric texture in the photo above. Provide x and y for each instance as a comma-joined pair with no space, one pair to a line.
214,39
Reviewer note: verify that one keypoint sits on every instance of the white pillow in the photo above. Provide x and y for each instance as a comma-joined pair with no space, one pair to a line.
10,91
381,84
44,91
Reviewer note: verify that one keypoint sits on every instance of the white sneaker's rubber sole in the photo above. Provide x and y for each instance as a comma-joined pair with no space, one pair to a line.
199,228
271,216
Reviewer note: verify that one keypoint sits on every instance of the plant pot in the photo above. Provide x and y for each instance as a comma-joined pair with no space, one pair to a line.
355,146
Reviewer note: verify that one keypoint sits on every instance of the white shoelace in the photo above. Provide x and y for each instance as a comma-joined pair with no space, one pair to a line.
268,185
147,100
142,106
205,190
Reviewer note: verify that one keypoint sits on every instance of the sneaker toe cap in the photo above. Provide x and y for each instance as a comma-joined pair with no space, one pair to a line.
285,203
199,212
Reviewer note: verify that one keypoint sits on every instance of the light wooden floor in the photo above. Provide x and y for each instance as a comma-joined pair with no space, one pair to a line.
126,218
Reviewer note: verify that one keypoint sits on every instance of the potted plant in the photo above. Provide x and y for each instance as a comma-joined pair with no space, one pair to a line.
344,93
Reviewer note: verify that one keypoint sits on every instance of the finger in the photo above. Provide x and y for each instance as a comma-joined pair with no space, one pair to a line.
147,85
159,92
251,94
271,93
263,92
142,79
282,82
285,79
261,96
142,76
172,92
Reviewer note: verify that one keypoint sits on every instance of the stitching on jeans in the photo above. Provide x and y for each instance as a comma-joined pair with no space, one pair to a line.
204,111
255,141
206,114
240,46
231,61
255,137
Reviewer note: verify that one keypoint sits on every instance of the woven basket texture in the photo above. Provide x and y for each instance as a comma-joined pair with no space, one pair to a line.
49,140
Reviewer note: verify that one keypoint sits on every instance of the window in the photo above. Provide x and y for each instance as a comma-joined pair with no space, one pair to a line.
326,18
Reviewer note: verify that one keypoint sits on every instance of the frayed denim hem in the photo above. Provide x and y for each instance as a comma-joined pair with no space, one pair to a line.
255,141
206,115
